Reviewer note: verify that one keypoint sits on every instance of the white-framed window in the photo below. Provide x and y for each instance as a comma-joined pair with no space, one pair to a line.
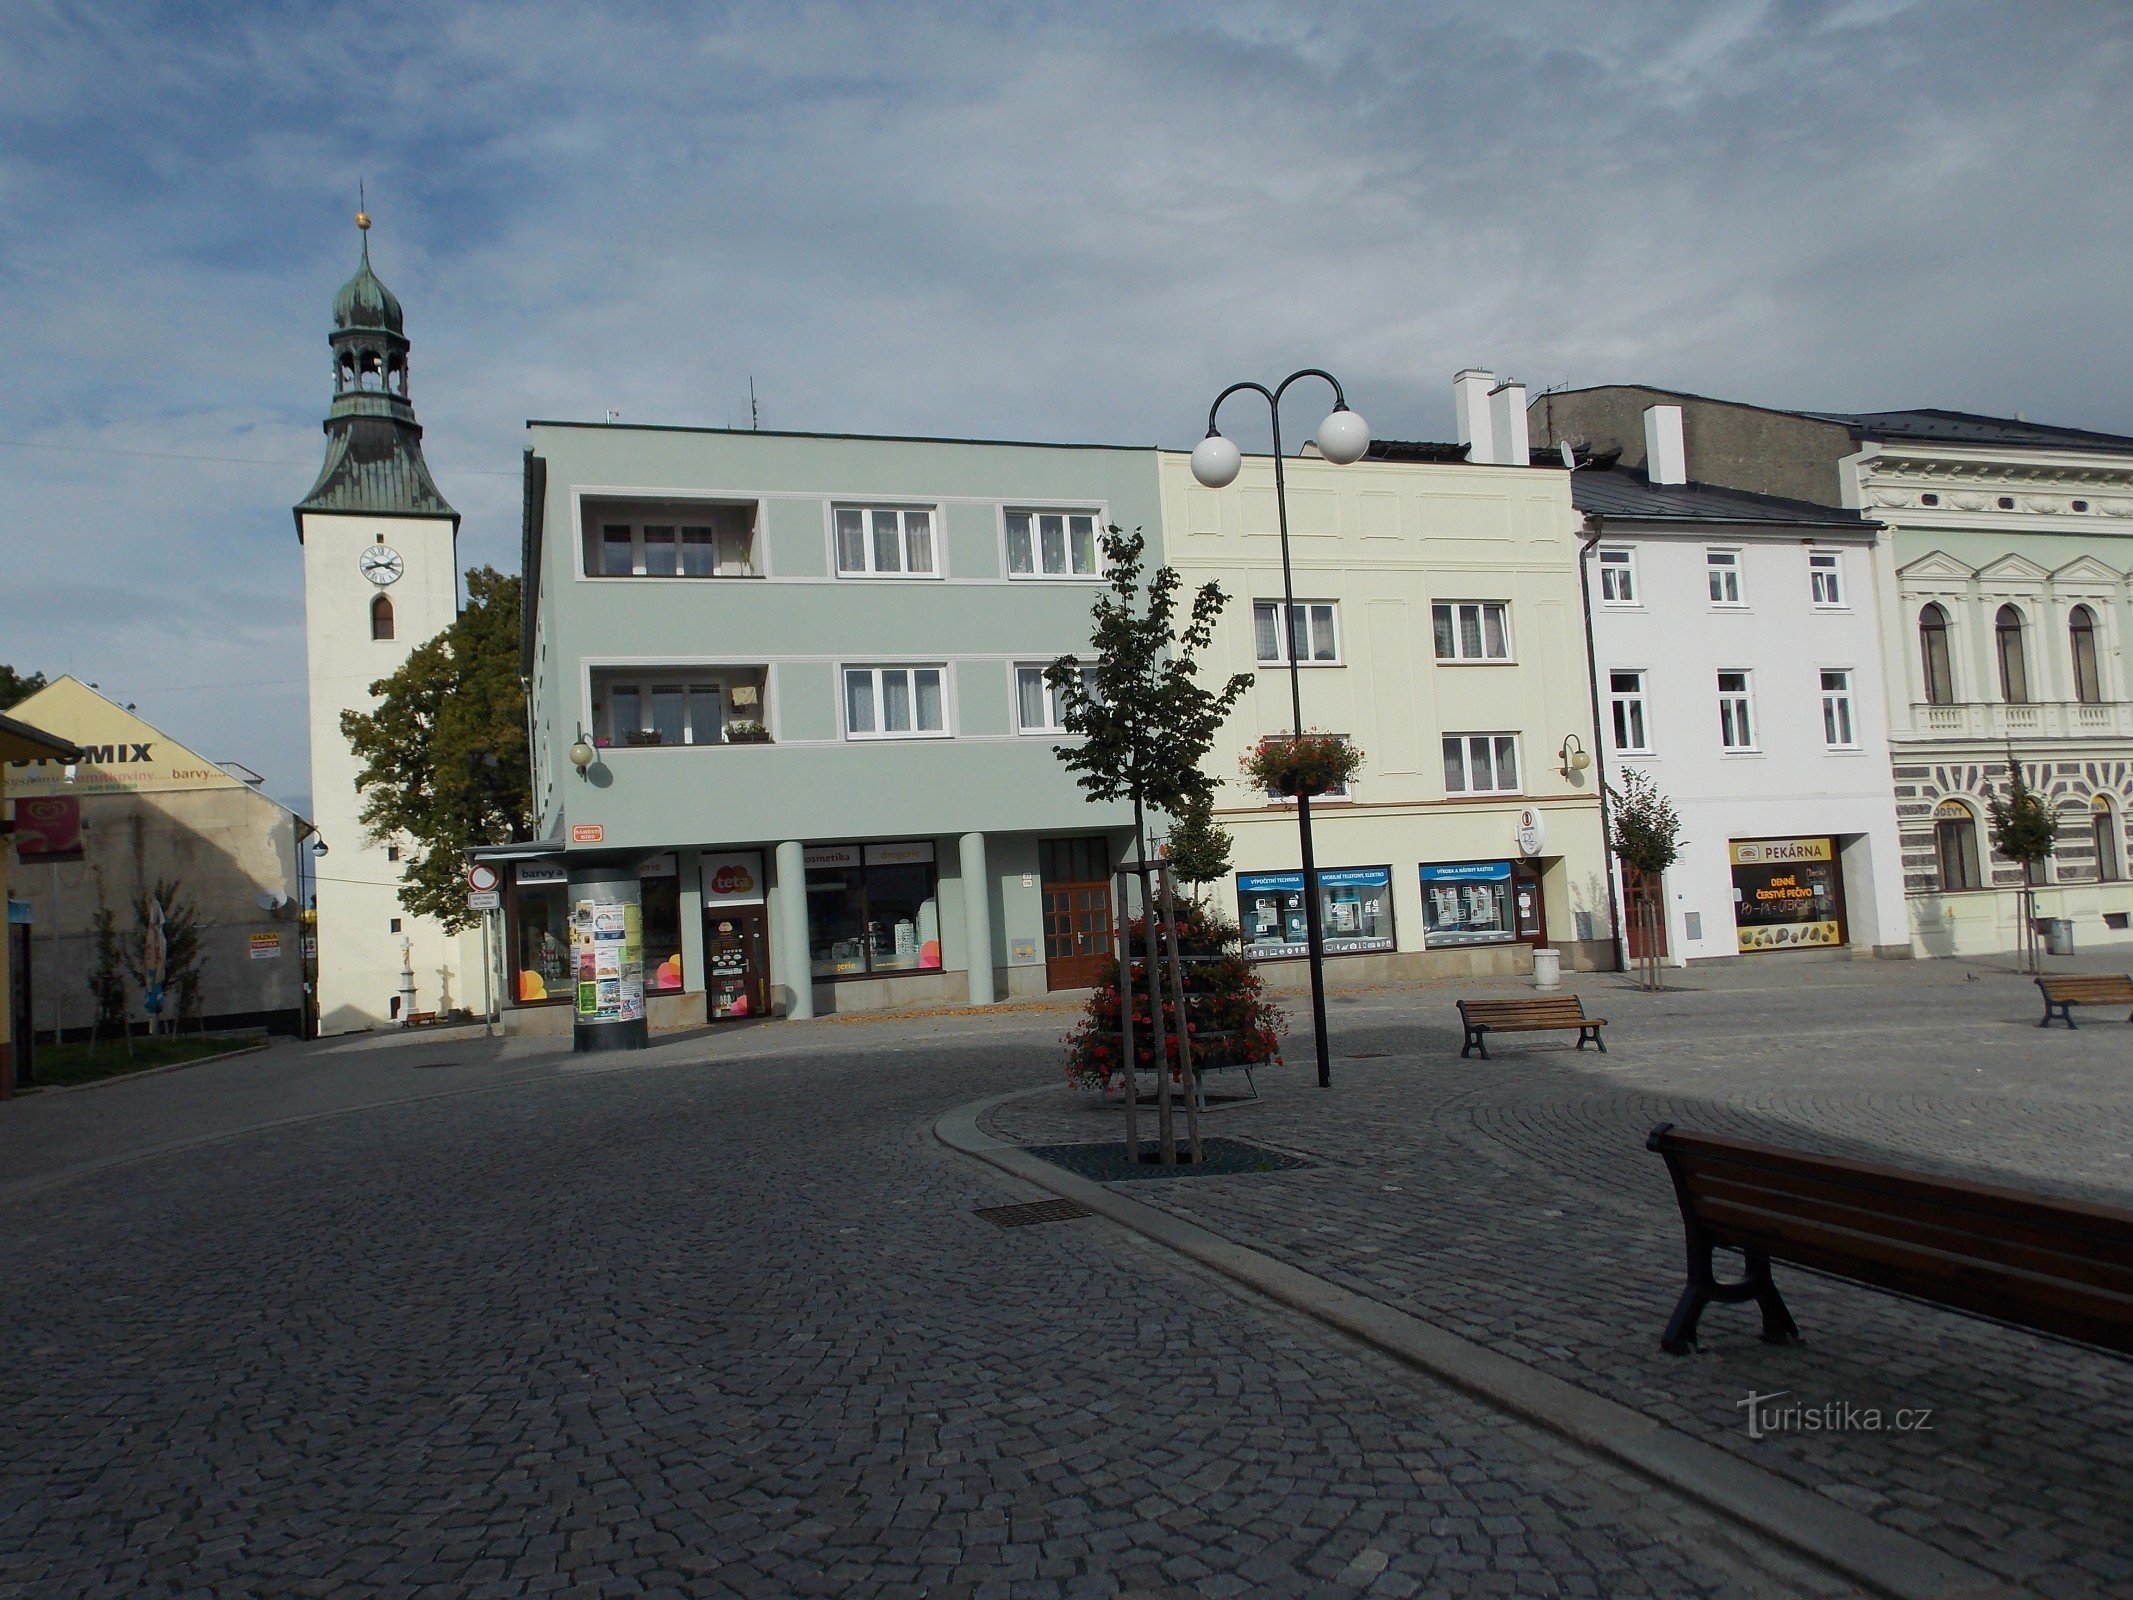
1825,577
1736,711
1626,705
1481,763
670,546
1314,633
678,705
1052,544
895,702
1618,576
1040,708
885,542
1722,571
1471,630
1837,730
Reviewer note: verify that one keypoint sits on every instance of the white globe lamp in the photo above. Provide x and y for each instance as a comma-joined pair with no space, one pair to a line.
1216,461
1343,437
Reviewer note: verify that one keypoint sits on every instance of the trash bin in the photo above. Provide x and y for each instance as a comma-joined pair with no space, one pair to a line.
1547,969
2058,935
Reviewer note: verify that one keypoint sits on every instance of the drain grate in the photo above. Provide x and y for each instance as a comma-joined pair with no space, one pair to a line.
1033,1211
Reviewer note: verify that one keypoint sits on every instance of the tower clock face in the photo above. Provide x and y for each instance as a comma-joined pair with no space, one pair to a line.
381,564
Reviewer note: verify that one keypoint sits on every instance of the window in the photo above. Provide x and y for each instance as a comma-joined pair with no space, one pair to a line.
1625,696
1825,578
894,702
396,925
1837,730
696,541
872,909
884,542
1040,708
2081,633
1722,570
2014,662
1481,763
1618,578
1736,719
1471,630
659,914
381,618
2103,824
540,937
1051,544
392,852
1354,912
1955,845
694,706
1933,655
1313,633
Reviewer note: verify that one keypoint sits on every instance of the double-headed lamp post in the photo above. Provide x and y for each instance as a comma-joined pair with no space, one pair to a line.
1342,438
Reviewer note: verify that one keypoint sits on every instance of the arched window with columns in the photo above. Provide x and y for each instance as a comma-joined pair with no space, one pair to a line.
1933,654
381,618
1955,846
2013,656
2103,825
2081,638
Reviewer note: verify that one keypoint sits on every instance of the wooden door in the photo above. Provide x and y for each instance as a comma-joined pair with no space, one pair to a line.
1077,911
1528,911
1644,904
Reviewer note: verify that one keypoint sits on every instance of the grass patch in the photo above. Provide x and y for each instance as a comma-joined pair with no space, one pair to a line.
62,1064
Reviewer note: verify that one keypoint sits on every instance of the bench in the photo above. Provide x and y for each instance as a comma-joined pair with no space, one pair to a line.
1484,1017
2061,995
2056,1266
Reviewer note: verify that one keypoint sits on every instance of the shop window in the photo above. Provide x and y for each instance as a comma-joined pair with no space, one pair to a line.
1625,699
1825,578
1354,912
894,702
677,540
2081,635
1052,544
1933,655
1471,630
884,542
1040,708
2013,658
1313,636
540,937
1466,902
1618,577
872,909
1955,846
2103,827
659,889
1481,763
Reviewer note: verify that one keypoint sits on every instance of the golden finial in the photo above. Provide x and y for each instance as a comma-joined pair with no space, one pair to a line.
362,203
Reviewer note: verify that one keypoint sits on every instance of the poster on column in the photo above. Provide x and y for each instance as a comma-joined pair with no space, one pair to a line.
607,948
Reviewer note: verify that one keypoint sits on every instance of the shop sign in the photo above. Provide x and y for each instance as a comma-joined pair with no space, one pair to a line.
607,951
1354,912
1466,902
659,866
1532,830
897,855
1785,894
830,855
587,832
266,947
48,828
540,872
734,880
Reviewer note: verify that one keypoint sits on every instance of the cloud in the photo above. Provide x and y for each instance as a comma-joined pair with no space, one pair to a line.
985,219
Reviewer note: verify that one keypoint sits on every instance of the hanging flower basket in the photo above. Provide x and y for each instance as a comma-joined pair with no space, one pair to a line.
1309,763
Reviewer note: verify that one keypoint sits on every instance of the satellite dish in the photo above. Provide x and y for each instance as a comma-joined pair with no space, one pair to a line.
272,899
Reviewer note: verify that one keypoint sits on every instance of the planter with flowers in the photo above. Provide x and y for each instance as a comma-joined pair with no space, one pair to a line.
1309,763
1228,1018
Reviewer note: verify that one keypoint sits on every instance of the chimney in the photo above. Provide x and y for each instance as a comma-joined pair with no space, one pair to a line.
1507,421
1665,461
1470,398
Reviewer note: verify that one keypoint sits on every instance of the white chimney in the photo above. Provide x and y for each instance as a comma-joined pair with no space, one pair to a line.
1507,421
1470,399
1665,461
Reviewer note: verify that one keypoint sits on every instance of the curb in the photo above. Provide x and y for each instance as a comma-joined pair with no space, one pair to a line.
149,1072
1850,1544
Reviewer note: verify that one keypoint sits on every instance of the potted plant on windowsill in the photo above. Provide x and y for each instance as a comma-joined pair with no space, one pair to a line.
643,736
747,731
1309,763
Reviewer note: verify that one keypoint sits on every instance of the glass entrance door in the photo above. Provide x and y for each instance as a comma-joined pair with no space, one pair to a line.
736,963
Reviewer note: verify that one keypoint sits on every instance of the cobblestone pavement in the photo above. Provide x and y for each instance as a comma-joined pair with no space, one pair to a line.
715,1321
1512,1202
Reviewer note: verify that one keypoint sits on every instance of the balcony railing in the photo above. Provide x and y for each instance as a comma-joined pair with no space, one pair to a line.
2048,719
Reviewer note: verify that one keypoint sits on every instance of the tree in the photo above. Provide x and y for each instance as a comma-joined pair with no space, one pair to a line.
1199,846
2024,831
1644,832
444,753
183,963
16,687
1149,723
107,974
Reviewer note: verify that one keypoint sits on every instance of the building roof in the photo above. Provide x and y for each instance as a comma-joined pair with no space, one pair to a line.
23,741
1965,427
364,302
374,467
1618,492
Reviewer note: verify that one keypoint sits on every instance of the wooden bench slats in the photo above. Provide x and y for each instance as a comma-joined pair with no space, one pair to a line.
1533,1015
2061,1267
2062,994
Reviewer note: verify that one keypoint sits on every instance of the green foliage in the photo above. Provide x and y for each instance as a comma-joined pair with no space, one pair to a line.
182,959
1646,832
2023,829
16,687
1199,846
1145,730
107,971
444,753
1307,763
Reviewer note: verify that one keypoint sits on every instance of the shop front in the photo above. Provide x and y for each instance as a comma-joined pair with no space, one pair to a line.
736,936
872,910
546,939
1479,902
1788,894
1354,909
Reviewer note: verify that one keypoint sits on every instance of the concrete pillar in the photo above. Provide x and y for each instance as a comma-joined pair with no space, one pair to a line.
789,961
977,917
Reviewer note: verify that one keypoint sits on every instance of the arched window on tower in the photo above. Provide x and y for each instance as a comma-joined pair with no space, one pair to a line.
1933,655
344,372
2081,634
371,370
2014,661
396,375
381,618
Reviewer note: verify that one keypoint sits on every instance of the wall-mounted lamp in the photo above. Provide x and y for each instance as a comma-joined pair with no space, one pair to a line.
1573,755
582,752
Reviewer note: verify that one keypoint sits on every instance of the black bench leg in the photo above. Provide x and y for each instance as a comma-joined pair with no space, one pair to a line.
1778,1326
1594,1035
1475,1040
1680,1336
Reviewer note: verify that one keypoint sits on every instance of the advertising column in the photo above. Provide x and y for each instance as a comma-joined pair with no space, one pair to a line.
607,958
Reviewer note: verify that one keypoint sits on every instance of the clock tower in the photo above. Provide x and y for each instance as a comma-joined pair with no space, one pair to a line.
381,576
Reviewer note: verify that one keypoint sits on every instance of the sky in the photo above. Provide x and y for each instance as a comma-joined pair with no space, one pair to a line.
1066,222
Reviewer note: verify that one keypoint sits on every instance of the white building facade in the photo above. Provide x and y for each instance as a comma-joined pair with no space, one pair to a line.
1738,663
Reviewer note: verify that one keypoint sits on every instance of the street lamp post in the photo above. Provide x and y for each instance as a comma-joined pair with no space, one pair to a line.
1342,438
